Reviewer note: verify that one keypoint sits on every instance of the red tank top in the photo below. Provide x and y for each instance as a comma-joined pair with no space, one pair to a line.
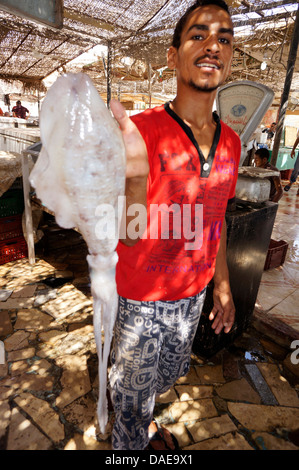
187,197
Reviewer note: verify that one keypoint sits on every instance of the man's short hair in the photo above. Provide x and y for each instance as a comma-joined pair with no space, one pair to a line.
263,153
176,40
18,102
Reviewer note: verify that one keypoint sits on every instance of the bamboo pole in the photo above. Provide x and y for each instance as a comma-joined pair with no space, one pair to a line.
286,90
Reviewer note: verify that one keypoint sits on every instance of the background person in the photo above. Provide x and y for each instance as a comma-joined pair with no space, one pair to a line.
261,160
295,171
270,131
20,111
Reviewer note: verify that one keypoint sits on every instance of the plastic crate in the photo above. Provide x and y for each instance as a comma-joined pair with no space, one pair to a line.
11,203
11,227
11,250
276,254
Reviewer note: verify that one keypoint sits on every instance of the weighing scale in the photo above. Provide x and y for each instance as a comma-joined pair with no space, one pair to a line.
242,105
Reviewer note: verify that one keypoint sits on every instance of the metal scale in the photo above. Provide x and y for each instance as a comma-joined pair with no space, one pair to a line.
242,106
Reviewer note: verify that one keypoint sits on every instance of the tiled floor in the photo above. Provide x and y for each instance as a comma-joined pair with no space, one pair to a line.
278,296
244,397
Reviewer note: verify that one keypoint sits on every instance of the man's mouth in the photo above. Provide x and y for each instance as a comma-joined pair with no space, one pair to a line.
208,62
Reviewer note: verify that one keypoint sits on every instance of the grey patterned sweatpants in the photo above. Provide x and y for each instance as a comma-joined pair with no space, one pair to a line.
151,350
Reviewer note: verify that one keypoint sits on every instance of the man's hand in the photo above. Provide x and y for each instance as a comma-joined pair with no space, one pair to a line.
137,160
223,312
137,165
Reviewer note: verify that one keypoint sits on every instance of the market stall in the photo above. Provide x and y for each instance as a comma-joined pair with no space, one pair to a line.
16,139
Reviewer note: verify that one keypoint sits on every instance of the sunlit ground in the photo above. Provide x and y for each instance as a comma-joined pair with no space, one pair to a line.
244,397
278,293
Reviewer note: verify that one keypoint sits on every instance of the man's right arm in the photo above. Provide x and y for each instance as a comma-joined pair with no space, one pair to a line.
137,162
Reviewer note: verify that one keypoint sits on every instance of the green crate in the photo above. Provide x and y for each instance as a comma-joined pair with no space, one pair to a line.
11,203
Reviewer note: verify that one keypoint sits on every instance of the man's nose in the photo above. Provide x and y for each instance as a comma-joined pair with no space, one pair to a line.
212,44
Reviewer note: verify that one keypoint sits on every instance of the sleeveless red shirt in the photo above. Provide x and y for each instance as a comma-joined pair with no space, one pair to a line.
187,197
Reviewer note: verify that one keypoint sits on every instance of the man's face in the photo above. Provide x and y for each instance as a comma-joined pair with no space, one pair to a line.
259,162
204,57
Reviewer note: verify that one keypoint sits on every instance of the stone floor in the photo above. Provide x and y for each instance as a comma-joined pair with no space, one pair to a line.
278,297
243,398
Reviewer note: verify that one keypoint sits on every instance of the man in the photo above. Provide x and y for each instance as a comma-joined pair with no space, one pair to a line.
270,131
20,111
295,171
186,159
261,160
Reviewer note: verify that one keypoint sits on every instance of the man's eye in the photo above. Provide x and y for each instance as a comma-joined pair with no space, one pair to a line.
198,37
224,41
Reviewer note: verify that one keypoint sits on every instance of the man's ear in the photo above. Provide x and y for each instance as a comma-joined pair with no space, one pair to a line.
171,57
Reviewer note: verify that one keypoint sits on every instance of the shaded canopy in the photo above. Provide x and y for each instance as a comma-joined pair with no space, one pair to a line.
142,31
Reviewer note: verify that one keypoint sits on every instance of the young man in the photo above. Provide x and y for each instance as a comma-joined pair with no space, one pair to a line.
182,157
270,131
261,159
295,171
20,111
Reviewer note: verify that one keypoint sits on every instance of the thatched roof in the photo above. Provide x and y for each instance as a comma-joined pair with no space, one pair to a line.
142,30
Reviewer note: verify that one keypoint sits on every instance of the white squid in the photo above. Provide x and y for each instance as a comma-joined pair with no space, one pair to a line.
80,169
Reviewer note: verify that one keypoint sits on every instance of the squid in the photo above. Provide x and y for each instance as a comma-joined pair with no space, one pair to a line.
80,176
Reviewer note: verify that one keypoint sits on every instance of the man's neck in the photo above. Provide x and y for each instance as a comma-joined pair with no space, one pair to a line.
195,108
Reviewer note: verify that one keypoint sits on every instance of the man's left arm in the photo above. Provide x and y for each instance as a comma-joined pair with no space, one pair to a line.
223,312
279,192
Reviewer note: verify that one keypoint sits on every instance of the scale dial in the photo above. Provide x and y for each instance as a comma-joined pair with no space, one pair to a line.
238,104
242,106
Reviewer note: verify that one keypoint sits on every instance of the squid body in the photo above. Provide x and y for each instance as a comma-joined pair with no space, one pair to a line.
80,176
